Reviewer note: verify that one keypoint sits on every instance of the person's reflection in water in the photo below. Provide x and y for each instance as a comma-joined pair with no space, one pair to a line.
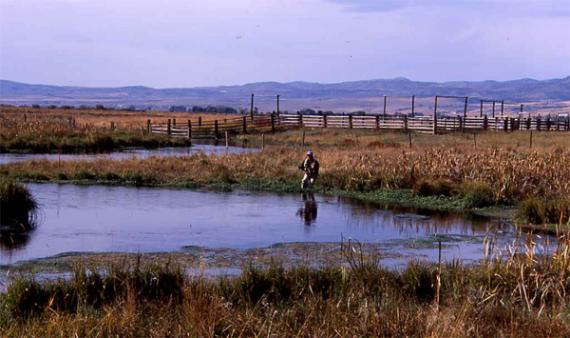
308,212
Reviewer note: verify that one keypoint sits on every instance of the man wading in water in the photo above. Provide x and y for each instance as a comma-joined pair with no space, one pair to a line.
311,168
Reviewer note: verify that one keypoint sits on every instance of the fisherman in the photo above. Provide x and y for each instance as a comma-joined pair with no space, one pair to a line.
311,168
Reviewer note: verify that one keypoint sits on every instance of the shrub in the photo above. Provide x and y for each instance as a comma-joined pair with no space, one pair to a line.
477,194
537,211
17,205
439,187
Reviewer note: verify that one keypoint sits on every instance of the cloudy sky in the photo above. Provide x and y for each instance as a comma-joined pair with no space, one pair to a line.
180,43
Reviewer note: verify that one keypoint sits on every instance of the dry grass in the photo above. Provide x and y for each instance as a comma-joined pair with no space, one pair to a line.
522,295
101,118
53,131
508,175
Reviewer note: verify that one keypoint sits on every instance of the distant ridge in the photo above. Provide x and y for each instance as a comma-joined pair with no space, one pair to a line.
522,90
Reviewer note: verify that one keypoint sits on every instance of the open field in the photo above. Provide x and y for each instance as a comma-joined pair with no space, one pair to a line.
81,131
100,118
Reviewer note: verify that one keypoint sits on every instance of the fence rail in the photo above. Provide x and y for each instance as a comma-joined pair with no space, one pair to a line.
422,124
214,129
425,124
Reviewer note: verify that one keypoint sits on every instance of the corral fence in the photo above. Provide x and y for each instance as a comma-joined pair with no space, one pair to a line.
216,129
427,124
422,124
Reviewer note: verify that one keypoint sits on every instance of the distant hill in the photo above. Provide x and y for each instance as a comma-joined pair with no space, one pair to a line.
345,94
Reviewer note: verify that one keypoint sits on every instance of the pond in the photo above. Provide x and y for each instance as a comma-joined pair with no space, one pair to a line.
208,149
76,218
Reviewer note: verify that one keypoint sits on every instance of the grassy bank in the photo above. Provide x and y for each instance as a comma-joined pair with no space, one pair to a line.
451,177
29,130
520,296
17,207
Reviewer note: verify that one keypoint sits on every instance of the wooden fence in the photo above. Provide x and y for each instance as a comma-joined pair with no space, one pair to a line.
425,124
214,129
422,124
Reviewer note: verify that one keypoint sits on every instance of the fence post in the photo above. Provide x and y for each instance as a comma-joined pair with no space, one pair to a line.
538,122
496,123
435,117
148,128
405,124
548,123
461,122
199,121
528,122
413,105
485,123
377,121
244,124
112,125
300,120
216,131
173,123
251,107
168,131
350,121
272,123
324,121
189,129
512,119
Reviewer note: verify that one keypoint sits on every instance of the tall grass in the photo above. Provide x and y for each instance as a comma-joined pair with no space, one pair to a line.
17,207
522,294
485,176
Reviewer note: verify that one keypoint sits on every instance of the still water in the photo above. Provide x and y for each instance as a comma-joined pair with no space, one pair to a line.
75,218
208,149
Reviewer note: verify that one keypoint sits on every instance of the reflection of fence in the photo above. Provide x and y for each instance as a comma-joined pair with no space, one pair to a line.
423,124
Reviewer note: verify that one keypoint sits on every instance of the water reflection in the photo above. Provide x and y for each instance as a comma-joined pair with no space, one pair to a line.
206,148
127,219
308,212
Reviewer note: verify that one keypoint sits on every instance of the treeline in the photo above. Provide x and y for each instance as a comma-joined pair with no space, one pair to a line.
175,108
202,109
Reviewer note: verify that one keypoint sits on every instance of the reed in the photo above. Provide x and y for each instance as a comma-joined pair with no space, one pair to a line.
521,294
484,176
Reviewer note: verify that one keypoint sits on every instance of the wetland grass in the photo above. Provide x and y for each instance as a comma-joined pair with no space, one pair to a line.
522,295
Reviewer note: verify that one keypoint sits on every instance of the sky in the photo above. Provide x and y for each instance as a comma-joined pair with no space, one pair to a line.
187,43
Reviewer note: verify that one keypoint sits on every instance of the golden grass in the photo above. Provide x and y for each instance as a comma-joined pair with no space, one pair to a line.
102,118
511,175
522,295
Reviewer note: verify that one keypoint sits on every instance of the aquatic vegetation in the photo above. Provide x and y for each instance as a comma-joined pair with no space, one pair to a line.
540,211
